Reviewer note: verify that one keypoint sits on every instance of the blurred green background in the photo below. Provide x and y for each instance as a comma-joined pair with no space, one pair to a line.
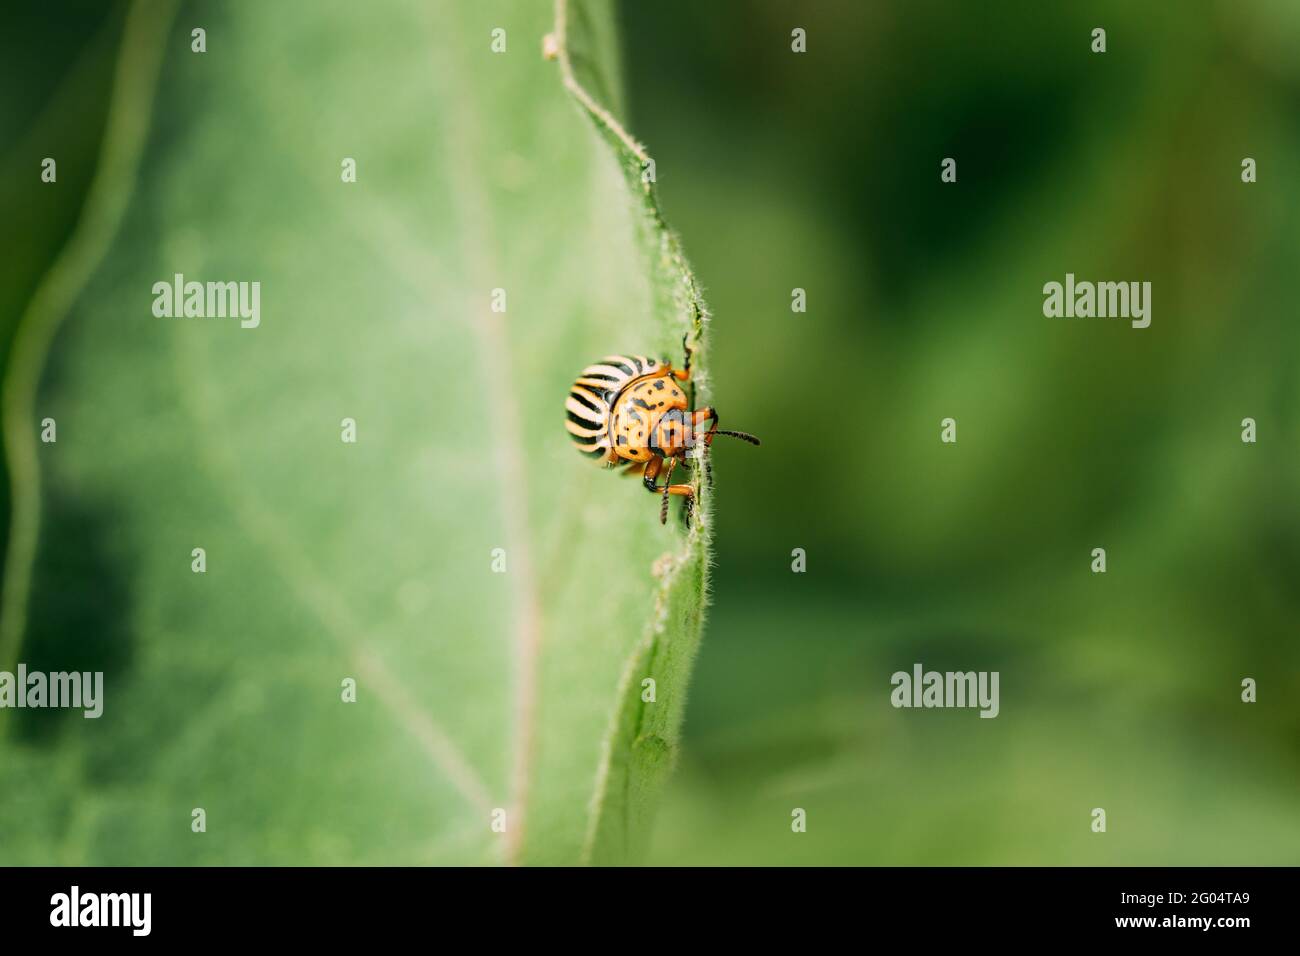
821,171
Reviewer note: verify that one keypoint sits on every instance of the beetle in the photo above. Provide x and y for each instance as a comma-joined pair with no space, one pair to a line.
631,410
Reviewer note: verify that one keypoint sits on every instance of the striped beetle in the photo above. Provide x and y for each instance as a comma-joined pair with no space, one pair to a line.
629,409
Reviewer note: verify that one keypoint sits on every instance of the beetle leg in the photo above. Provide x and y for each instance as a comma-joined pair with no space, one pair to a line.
636,468
652,469
651,473
684,373
702,454
700,415
668,489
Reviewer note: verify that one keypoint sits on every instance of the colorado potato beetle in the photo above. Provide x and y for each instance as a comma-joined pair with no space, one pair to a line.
630,410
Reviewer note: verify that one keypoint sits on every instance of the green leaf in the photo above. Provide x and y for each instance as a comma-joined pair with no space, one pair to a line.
326,560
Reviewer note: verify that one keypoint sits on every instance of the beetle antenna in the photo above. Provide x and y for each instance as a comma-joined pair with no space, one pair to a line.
743,436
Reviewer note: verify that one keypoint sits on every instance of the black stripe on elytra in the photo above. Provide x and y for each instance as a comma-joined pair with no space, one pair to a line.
585,422
623,365
584,401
